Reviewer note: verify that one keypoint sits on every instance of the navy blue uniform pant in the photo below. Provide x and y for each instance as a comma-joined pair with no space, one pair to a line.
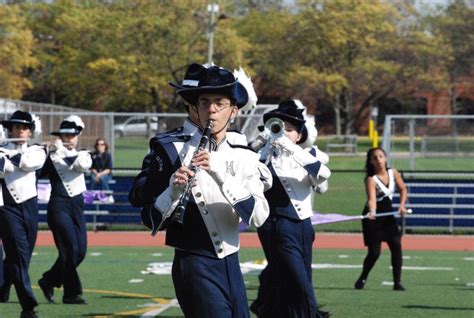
265,297
1,263
66,221
209,287
293,255
18,229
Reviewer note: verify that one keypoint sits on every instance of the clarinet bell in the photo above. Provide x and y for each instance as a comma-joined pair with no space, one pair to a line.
178,215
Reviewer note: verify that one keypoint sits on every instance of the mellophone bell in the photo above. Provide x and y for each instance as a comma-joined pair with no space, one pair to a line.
227,188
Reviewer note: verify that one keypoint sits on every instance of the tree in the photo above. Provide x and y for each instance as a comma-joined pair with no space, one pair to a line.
455,26
351,52
121,55
16,56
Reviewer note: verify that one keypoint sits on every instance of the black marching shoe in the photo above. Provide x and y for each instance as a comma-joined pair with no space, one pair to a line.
323,314
398,286
29,314
48,291
360,283
5,293
74,300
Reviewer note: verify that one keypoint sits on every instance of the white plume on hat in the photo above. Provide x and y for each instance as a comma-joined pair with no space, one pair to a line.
207,65
310,125
77,120
2,133
38,128
246,82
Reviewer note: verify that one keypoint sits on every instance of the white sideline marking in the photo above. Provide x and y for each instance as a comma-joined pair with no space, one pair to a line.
406,257
468,258
157,254
147,305
334,266
255,267
135,280
158,268
154,312
343,256
96,254
385,283
420,268
34,254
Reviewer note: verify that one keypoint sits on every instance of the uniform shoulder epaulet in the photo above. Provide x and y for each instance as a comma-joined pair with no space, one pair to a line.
237,146
176,131
168,138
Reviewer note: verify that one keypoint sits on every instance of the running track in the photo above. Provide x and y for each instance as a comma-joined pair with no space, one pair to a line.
323,240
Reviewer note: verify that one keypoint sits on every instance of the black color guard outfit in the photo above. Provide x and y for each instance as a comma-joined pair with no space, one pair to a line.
384,229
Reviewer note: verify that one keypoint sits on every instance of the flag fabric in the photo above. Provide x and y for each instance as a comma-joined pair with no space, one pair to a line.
324,218
44,193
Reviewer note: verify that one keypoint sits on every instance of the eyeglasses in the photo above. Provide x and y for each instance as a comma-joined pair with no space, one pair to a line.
220,104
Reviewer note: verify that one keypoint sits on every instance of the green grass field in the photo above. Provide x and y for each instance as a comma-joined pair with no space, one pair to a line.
439,284
130,151
346,194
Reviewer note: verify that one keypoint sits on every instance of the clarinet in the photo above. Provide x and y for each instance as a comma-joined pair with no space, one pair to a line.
178,214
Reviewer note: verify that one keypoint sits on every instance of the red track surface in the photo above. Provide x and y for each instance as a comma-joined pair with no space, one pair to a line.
323,241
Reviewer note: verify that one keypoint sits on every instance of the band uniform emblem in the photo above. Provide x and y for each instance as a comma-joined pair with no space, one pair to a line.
230,168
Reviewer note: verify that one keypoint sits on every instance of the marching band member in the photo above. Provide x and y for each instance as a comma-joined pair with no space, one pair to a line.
286,285
189,128
65,167
19,207
226,187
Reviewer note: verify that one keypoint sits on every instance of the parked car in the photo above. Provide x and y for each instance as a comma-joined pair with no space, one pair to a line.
135,126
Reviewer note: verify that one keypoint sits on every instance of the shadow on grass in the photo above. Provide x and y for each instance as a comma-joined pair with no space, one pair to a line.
438,307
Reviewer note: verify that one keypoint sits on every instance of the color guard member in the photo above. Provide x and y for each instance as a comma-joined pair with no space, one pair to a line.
380,185
19,207
65,168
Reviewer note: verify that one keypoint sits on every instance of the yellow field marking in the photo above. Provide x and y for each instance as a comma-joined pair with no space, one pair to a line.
160,301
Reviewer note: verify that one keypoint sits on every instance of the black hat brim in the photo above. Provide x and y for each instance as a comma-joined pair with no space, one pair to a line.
285,117
234,90
9,123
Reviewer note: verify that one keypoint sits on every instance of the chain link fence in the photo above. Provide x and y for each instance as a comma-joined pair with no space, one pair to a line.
430,142
443,146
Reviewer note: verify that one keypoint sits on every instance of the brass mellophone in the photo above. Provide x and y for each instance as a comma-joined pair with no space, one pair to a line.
275,127
178,214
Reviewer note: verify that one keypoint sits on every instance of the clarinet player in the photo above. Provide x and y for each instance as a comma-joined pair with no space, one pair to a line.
226,189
